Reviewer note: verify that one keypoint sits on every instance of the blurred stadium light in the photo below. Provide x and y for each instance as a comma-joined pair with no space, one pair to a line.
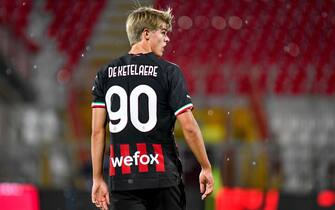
18,196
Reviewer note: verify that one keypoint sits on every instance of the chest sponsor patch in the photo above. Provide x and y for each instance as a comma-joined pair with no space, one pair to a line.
140,158
134,160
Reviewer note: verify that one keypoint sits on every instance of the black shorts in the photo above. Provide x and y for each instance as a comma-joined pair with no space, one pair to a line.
169,198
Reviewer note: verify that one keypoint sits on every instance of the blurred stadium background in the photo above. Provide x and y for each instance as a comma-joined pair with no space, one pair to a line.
261,74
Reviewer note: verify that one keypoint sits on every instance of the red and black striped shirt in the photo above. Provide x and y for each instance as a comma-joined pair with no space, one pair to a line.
142,95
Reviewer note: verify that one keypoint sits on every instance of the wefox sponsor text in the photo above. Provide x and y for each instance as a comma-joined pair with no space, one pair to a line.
129,160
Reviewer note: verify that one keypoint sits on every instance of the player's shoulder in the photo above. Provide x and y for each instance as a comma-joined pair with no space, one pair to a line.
168,65
173,69
113,62
172,65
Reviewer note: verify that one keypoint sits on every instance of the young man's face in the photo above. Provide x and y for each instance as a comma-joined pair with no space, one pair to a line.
158,39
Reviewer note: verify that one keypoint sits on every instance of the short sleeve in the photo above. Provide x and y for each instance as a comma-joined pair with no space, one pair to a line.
179,97
98,92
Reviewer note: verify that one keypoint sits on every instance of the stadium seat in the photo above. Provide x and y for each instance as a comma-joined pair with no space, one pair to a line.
296,36
14,16
72,26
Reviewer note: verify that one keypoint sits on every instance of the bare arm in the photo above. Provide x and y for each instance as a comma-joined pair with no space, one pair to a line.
98,141
100,194
194,140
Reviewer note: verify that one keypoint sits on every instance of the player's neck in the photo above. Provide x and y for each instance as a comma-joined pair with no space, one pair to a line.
140,48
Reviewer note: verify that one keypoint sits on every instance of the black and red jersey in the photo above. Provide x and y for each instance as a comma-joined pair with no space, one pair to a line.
142,95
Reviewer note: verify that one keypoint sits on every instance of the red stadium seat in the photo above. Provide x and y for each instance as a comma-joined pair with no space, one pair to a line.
291,35
72,26
14,15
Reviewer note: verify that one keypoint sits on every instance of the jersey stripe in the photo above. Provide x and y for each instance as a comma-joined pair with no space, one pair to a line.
124,150
142,148
98,105
183,108
158,150
111,168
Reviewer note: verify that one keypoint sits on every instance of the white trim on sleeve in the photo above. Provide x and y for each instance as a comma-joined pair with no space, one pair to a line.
98,105
181,109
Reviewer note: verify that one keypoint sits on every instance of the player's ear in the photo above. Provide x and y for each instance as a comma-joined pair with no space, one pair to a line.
146,34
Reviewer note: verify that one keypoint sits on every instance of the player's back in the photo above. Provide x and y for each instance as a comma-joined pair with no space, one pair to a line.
142,95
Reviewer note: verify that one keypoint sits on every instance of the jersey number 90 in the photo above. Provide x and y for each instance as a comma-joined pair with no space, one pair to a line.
122,113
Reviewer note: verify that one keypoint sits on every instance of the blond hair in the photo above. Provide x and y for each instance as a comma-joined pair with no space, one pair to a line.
146,17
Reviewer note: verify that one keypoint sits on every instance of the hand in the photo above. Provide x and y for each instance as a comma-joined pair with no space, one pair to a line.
206,182
100,194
